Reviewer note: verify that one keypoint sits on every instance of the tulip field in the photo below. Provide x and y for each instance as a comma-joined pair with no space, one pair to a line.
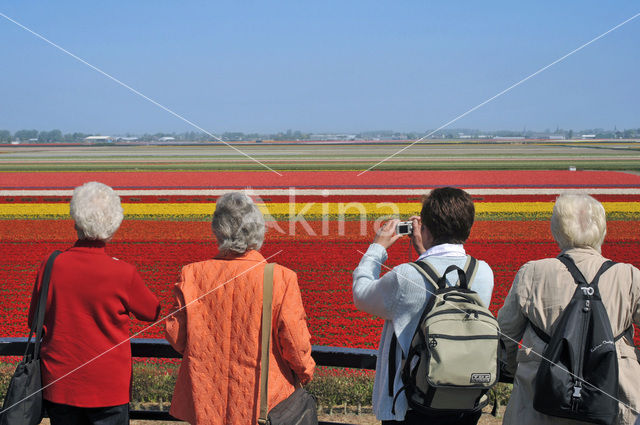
319,224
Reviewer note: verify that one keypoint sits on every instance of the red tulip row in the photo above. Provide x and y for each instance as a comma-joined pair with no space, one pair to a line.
324,270
302,199
165,231
321,179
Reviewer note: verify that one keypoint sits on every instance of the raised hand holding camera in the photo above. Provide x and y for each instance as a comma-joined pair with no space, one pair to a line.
416,235
387,235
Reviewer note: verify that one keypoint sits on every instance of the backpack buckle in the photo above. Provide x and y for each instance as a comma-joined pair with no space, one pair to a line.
576,396
577,389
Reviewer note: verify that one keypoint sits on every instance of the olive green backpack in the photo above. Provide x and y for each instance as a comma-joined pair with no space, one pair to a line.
453,359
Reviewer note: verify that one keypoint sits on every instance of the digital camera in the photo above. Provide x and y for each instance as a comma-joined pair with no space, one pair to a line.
404,228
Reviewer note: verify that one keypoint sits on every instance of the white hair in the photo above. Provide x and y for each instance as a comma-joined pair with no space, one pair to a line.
578,221
237,224
96,210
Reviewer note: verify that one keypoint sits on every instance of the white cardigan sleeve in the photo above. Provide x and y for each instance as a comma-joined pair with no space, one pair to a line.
371,293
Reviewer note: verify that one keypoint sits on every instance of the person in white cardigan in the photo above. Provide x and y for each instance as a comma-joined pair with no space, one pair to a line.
401,295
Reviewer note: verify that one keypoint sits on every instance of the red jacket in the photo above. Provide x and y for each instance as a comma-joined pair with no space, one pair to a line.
90,298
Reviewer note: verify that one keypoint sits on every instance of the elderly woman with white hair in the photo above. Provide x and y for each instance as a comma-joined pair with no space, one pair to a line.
217,326
86,366
542,289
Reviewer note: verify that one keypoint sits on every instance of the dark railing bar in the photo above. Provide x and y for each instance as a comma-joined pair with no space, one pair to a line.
357,358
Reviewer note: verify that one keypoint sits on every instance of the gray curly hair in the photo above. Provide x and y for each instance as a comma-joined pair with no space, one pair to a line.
237,224
96,210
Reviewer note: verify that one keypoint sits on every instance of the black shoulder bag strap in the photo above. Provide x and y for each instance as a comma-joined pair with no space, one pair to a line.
426,269
38,320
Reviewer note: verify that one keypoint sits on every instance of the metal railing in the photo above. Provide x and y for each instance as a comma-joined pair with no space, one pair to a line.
356,358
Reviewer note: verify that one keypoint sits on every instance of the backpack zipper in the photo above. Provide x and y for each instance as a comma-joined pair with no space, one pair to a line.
462,338
461,311
577,386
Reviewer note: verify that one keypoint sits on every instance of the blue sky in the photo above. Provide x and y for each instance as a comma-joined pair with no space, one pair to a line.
324,66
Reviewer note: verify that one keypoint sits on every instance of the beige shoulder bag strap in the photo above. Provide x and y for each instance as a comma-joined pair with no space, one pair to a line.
267,301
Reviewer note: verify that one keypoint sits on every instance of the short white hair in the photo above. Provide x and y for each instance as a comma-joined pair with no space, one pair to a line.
237,224
96,210
578,221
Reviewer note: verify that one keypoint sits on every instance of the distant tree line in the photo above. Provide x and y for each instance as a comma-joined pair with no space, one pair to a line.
56,136
35,136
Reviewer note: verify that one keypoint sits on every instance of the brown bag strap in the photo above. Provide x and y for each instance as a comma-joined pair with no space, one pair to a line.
267,301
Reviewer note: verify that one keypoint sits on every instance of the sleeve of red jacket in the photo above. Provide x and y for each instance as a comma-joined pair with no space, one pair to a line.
293,333
143,304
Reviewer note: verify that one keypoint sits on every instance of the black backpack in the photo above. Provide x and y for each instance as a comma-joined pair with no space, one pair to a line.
578,375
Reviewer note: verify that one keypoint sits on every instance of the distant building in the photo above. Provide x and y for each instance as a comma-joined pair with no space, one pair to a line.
509,138
167,139
333,137
547,136
588,136
99,139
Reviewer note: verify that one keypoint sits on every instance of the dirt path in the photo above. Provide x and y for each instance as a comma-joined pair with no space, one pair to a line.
338,418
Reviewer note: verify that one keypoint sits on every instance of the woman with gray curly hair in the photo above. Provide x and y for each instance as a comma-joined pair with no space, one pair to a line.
218,324
542,289
86,371
237,224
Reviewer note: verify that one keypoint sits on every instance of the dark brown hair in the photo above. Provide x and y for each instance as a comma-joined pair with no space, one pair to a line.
448,213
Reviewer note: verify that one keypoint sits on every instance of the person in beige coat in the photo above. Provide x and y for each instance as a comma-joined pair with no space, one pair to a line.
543,288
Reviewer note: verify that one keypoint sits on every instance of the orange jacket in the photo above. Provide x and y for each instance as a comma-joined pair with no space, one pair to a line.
218,334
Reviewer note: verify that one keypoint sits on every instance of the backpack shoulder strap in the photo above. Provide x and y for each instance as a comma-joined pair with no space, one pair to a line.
392,363
627,332
541,334
577,275
603,268
430,273
427,270
393,347
470,270
578,278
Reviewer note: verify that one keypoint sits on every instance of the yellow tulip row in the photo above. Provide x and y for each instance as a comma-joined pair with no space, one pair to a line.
334,209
